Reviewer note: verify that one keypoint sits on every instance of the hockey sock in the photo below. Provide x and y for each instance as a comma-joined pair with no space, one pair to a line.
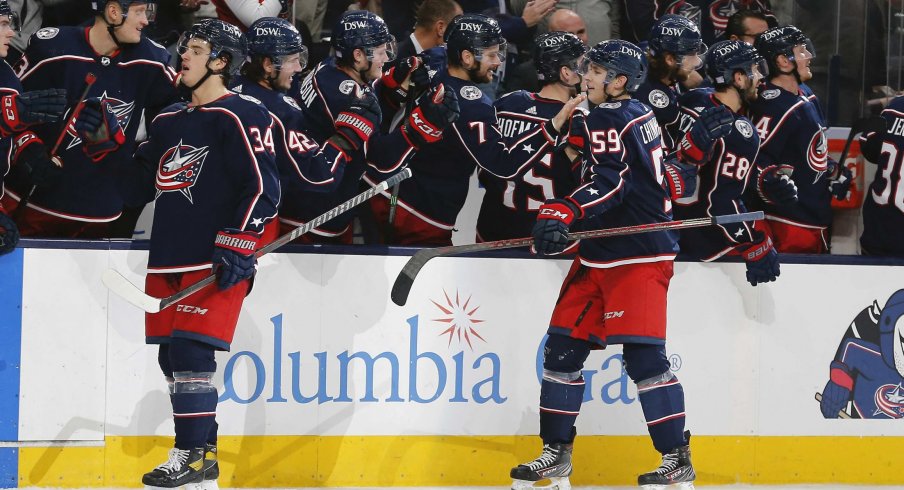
561,395
660,394
194,408
212,435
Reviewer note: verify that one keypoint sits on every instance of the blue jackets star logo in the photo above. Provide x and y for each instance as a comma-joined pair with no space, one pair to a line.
179,169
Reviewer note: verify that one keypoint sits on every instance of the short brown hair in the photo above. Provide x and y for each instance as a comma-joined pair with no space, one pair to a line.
434,10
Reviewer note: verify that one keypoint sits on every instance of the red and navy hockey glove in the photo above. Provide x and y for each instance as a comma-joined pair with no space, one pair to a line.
840,182
680,179
233,256
551,229
713,123
761,259
97,126
30,154
775,186
28,108
837,391
413,70
356,123
436,110
9,233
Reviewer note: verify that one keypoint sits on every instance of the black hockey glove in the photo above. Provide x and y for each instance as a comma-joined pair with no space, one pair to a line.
436,110
761,259
9,233
551,229
775,186
837,391
713,123
356,123
233,256
99,129
413,70
840,184
680,179
30,154
28,108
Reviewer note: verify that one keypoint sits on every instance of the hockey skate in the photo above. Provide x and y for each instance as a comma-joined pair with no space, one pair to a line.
212,472
553,465
676,471
183,467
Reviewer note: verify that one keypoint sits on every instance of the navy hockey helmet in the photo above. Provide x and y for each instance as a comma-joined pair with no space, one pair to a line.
784,41
7,11
275,38
98,7
474,33
618,57
361,29
675,34
226,42
553,50
726,57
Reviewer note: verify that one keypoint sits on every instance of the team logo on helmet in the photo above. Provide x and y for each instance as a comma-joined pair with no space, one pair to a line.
818,152
179,169
121,109
47,33
744,128
771,94
659,99
471,92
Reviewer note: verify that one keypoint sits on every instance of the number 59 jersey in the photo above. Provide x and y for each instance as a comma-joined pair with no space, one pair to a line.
622,185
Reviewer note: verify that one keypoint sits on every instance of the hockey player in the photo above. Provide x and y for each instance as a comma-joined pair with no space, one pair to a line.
429,202
133,77
509,207
21,110
723,142
622,184
883,207
792,133
674,53
208,164
276,56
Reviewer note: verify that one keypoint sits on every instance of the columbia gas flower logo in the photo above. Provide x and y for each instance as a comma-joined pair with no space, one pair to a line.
460,319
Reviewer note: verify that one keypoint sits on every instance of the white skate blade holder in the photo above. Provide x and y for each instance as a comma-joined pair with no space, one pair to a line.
204,485
675,486
555,483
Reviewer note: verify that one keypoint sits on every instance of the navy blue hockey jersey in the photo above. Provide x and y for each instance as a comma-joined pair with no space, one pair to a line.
9,84
792,132
663,99
132,80
209,168
883,207
509,207
721,182
622,185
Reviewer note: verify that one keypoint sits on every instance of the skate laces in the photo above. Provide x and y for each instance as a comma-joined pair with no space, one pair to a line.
669,463
177,458
548,458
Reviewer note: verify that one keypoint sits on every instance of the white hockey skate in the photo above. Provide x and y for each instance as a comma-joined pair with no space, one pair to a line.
554,464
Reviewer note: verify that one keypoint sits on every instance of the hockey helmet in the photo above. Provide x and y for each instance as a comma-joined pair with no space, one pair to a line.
275,38
553,50
226,42
6,10
788,41
676,34
618,57
726,57
474,33
361,29
98,7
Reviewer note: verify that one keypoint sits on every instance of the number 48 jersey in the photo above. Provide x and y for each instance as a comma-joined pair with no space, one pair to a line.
883,208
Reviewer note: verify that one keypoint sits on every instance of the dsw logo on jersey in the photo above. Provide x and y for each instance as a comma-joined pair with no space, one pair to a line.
123,111
179,169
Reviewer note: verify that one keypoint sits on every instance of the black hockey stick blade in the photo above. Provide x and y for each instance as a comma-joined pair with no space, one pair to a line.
402,285
131,293
864,125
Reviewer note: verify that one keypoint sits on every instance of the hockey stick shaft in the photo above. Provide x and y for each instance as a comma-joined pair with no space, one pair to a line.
389,232
841,413
405,279
125,289
89,81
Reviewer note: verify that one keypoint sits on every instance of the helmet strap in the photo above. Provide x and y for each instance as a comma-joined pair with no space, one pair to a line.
204,78
111,27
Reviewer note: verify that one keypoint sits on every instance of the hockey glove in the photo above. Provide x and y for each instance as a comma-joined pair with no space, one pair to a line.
681,179
775,186
9,233
576,134
25,109
840,185
30,154
356,123
761,259
99,129
713,123
233,256
399,80
837,391
436,110
551,229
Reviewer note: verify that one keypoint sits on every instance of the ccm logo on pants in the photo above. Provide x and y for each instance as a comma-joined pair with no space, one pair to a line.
191,309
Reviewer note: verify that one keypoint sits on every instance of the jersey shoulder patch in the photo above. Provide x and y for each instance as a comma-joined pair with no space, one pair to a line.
291,102
658,99
470,92
744,127
250,98
47,33
770,94
347,86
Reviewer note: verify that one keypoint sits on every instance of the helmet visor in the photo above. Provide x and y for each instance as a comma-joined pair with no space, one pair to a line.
492,53
201,46
804,51
759,71
694,60
385,52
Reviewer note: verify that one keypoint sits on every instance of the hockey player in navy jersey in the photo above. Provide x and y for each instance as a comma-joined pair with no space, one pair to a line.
792,133
209,166
22,110
622,184
277,55
509,207
133,78
429,202
883,207
723,142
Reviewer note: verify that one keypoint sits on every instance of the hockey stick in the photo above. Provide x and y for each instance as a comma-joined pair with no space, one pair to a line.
405,279
129,292
389,231
23,202
841,413
863,125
